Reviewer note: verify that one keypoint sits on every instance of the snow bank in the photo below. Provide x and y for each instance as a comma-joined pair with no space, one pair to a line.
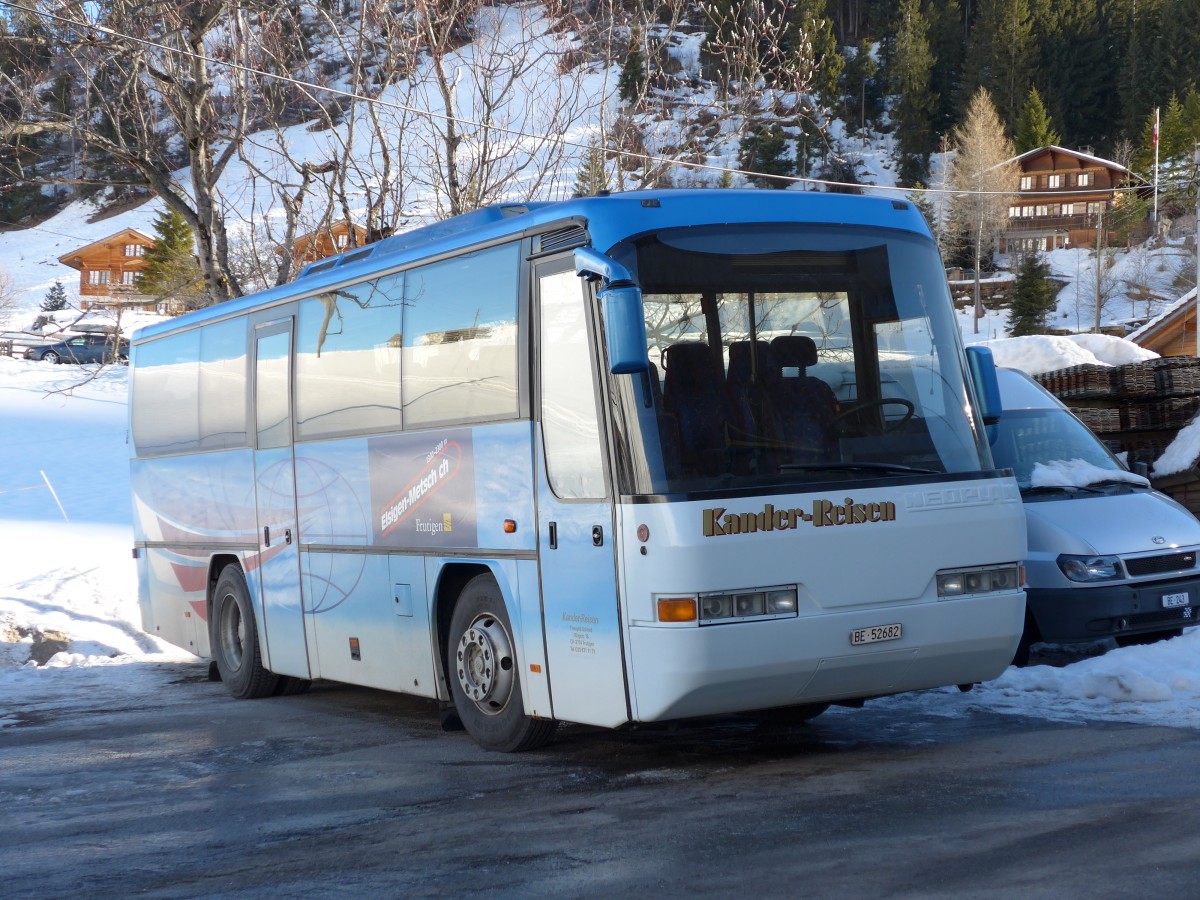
1181,454
1040,353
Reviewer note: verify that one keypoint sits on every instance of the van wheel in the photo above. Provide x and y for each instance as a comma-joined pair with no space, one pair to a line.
484,674
233,636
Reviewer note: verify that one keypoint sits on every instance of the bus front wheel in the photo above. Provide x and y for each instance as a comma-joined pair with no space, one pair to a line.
484,677
233,637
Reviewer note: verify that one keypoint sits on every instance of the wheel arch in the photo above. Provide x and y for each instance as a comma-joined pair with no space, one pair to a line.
452,578
216,564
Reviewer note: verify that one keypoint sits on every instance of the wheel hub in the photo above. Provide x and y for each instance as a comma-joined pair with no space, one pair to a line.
484,664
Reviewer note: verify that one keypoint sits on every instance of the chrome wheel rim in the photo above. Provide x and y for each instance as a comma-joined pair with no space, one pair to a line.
232,631
484,664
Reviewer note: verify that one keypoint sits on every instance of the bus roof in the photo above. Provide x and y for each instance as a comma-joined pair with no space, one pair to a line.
609,219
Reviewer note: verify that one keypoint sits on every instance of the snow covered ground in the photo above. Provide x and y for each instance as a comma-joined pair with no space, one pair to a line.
68,596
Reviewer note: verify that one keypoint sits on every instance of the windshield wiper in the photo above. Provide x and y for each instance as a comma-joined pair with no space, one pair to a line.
1059,488
856,467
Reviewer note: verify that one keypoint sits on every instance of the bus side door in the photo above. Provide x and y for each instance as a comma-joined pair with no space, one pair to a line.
275,491
576,547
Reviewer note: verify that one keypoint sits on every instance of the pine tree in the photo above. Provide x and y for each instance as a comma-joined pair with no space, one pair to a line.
945,19
1001,55
1033,297
633,74
592,177
1034,128
810,36
56,298
910,67
172,270
764,151
861,94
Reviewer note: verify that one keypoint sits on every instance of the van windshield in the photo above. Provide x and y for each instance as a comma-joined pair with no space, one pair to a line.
783,355
1026,437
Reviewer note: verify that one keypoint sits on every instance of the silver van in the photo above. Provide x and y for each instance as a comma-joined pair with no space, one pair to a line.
1108,556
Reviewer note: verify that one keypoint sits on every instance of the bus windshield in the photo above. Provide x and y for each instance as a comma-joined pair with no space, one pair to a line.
785,355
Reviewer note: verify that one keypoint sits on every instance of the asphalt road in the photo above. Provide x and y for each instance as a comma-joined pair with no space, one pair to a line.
182,791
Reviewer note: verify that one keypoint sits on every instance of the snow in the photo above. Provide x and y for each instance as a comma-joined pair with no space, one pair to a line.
1078,473
68,588
1038,353
74,581
1181,454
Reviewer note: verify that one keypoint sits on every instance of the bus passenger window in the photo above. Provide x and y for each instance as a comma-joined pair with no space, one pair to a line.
348,360
460,339
166,417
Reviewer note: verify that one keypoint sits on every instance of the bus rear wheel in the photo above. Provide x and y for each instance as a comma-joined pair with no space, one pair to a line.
233,637
485,680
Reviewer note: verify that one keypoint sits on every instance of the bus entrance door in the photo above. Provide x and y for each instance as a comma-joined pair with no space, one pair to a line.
275,489
576,547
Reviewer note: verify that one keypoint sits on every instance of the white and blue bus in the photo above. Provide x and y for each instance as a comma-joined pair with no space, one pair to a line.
616,460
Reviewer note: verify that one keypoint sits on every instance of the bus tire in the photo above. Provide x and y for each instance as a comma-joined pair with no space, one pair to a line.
484,676
233,636
289,686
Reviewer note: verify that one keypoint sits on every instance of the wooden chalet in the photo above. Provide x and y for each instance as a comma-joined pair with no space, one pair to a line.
108,269
1062,194
328,240
1172,332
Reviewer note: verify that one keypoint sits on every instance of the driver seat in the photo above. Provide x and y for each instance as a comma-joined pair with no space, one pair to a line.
807,406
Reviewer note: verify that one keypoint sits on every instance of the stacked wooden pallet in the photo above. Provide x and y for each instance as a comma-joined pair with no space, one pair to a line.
1136,408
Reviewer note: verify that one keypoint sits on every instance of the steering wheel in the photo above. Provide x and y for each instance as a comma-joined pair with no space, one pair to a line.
909,411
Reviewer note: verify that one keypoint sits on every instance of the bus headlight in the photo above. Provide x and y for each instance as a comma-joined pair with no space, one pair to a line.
1090,568
981,580
731,606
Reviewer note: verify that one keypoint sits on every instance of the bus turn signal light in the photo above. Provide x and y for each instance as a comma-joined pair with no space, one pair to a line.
677,609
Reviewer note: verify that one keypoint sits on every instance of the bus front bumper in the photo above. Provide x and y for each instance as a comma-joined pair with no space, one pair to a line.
681,672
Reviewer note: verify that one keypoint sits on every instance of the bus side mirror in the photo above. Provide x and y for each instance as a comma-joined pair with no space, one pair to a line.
987,387
624,319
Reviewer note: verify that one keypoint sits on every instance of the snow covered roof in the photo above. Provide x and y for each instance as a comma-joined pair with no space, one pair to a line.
1077,154
1168,315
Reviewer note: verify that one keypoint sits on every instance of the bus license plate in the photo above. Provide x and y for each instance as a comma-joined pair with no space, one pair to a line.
1170,601
878,633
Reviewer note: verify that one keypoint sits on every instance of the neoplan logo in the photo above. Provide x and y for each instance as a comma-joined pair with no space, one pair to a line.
719,522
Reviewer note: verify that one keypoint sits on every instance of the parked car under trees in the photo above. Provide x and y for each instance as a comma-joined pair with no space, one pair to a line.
82,348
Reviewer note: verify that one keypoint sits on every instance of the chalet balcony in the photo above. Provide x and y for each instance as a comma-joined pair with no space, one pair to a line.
1045,224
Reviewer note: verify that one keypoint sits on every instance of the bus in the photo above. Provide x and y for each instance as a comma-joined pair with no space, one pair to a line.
616,460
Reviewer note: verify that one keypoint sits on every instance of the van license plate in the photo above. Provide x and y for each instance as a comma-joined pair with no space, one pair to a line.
877,633
1170,601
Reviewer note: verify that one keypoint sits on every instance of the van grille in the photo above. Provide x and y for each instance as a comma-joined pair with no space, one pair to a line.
1152,565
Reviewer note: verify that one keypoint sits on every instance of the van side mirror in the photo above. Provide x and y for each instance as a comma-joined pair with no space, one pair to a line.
624,319
987,388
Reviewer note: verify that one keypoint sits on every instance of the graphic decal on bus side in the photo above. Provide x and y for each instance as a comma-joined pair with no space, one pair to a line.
718,522
423,489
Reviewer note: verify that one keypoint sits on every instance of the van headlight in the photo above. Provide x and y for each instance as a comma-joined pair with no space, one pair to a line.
1088,569
981,580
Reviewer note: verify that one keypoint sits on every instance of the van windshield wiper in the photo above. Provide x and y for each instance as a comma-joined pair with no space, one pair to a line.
1059,489
856,467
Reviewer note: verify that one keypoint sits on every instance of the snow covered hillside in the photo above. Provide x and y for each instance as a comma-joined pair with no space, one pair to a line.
68,598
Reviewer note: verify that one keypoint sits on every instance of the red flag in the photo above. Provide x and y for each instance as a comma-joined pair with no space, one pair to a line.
1156,127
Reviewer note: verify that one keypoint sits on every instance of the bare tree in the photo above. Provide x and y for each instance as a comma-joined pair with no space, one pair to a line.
986,177
148,102
8,296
